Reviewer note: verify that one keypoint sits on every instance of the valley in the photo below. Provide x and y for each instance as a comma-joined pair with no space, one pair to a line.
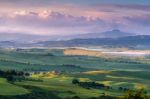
52,71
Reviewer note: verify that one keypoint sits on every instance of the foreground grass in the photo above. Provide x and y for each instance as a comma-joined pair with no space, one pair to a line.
62,86
11,89
58,86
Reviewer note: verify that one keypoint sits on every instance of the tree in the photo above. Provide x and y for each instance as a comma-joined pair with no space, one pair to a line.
140,94
27,74
10,78
75,81
20,73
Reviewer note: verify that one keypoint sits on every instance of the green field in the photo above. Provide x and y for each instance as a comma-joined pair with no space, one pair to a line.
10,89
115,72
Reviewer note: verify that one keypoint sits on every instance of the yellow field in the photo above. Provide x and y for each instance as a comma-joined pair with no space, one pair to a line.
98,72
82,52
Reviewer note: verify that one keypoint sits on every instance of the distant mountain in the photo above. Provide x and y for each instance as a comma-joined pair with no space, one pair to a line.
130,41
139,41
23,37
114,38
115,34
7,44
108,34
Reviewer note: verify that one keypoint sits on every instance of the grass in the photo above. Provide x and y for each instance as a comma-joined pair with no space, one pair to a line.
63,87
10,89
112,72
57,59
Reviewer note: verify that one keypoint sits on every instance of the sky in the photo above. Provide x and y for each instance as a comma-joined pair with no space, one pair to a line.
69,17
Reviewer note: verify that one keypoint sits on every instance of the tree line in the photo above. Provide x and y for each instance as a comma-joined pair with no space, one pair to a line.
129,93
13,75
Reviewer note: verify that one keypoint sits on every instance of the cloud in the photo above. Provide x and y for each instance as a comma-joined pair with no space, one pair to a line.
133,7
120,7
52,22
53,17
139,19
48,20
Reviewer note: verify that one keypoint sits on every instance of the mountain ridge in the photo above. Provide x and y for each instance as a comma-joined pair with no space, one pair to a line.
22,37
130,41
107,34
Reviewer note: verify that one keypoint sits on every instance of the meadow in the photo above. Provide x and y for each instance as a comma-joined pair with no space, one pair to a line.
52,72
